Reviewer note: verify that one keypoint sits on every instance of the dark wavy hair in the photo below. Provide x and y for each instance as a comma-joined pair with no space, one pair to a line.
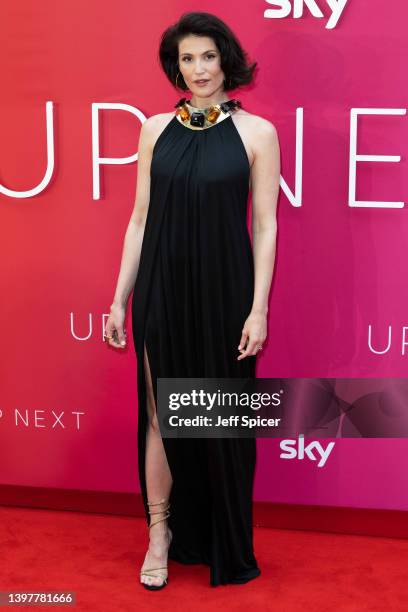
234,60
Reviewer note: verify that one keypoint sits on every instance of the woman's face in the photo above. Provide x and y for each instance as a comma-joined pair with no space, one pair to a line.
198,59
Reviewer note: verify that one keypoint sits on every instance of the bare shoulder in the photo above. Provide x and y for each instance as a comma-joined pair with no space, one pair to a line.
257,125
155,122
255,131
153,126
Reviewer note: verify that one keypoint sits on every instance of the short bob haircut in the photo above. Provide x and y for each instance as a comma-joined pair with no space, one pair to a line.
238,72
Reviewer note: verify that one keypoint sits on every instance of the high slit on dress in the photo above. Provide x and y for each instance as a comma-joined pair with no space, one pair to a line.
193,292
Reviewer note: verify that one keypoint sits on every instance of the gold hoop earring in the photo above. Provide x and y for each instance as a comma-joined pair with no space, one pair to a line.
176,80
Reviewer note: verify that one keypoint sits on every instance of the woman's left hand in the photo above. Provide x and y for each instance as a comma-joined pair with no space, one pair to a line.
253,333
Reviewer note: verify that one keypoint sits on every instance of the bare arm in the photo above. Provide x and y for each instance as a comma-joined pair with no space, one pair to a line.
132,243
265,189
134,234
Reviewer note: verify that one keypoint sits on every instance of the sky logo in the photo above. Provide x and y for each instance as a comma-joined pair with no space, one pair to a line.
314,451
284,8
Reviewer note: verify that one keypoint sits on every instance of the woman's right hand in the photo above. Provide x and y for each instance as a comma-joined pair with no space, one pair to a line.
114,326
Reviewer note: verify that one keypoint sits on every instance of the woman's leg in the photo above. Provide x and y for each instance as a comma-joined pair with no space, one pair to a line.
158,485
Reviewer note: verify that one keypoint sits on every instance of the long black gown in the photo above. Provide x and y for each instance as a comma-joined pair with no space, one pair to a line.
193,292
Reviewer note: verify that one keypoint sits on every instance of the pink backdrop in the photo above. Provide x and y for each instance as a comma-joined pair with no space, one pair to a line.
68,405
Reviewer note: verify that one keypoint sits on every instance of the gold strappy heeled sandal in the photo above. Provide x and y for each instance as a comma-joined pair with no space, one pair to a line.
148,572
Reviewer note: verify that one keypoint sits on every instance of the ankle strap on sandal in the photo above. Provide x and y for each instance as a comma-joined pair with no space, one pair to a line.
164,511
157,503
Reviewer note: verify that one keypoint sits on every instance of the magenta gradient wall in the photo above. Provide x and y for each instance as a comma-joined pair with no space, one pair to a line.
338,304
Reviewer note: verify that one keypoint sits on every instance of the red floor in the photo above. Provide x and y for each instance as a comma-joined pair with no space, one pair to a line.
98,556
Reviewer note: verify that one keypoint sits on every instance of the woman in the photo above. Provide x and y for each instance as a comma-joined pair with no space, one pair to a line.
200,294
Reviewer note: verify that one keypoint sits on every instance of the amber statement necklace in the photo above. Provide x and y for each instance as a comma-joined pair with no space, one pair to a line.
203,118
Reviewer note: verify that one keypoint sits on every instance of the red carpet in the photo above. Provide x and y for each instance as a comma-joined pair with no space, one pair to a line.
98,556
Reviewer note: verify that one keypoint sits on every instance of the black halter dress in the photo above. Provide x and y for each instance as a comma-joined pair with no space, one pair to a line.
193,292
